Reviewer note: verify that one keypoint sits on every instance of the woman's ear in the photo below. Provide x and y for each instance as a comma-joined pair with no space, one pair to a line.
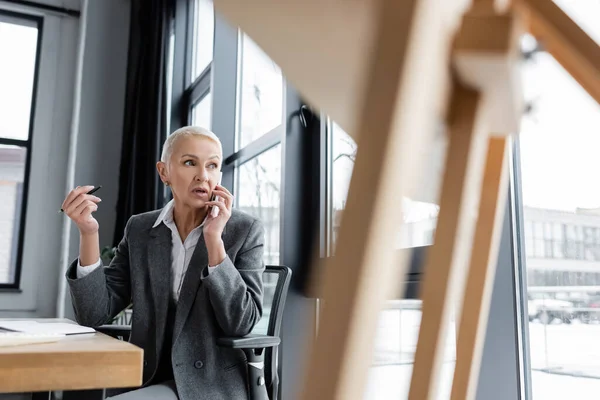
161,167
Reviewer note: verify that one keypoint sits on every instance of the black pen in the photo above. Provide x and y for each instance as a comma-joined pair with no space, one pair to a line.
94,190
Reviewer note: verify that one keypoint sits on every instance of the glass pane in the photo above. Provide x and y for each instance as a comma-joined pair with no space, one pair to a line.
419,218
557,231
537,230
12,172
261,93
395,347
559,157
204,30
343,155
201,112
18,46
258,194
398,330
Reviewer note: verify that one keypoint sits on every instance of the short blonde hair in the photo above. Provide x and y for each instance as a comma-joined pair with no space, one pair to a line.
187,131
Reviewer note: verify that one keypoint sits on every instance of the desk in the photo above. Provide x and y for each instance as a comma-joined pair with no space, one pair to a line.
77,362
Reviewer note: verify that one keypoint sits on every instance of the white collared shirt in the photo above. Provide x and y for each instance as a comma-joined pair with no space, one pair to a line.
181,252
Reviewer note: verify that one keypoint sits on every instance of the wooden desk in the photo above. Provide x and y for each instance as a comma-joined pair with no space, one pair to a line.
77,362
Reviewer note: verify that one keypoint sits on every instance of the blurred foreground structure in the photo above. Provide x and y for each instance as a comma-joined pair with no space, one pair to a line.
389,72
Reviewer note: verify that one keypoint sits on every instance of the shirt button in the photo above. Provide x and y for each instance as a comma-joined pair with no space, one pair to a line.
198,364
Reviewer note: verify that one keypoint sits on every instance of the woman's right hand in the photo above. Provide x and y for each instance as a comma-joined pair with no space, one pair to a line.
79,206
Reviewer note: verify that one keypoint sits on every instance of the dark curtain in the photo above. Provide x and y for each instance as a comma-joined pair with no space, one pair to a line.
145,123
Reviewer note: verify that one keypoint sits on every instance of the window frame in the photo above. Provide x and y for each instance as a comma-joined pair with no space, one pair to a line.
520,271
199,87
38,22
240,155
185,94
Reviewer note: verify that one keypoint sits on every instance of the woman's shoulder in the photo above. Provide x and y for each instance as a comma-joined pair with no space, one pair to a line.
243,227
243,220
143,221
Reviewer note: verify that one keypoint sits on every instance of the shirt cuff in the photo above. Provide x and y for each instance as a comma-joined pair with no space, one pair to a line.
85,270
210,269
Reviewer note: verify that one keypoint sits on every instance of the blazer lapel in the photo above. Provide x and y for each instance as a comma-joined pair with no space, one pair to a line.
159,265
189,288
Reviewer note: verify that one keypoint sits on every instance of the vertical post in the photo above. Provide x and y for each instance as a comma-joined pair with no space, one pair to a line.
446,265
482,270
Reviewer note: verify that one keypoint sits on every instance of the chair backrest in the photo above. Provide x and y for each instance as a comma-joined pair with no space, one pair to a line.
276,281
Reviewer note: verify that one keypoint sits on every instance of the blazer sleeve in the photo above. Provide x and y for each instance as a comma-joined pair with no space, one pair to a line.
236,290
99,296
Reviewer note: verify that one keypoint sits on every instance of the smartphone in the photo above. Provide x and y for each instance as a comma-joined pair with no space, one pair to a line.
214,211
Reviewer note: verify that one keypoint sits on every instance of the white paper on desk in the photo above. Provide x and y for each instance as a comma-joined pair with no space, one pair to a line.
45,327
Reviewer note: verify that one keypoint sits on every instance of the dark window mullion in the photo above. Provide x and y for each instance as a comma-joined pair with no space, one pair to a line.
180,70
256,148
15,142
197,90
189,41
61,11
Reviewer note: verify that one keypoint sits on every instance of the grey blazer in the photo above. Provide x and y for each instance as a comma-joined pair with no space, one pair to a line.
228,302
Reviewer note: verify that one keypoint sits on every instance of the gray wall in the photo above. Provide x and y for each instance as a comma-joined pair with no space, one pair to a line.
102,112
98,146
102,109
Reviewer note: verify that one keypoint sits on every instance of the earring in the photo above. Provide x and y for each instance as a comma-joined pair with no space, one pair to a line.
167,184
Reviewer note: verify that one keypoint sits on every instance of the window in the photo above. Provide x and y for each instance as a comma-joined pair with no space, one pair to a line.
419,218
19,38
399,323
260,93
201,112
203,36
395,347
559,144
258,193
189,63
259,134
344,154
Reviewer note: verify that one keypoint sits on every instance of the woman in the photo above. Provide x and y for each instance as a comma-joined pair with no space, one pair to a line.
192,277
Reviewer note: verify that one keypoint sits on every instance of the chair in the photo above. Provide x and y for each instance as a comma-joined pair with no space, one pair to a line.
261,346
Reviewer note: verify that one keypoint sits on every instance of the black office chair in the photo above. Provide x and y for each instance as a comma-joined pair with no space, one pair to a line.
261,346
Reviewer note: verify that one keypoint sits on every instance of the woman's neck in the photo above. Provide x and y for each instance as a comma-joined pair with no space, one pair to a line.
187,218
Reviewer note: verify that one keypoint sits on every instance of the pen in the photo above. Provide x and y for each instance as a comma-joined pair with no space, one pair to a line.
94,190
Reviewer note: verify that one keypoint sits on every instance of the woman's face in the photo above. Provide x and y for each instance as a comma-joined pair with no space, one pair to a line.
193,170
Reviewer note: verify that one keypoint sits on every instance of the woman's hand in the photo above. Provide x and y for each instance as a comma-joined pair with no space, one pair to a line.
79,206
213,226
